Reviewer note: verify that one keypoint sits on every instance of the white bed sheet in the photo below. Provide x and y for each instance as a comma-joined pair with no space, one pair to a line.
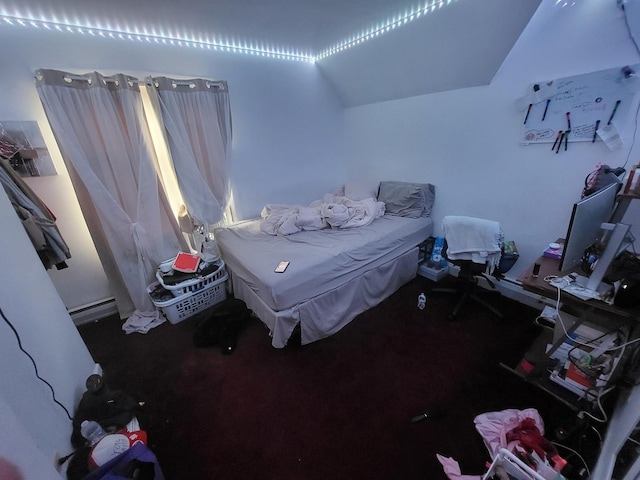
320,261
327,313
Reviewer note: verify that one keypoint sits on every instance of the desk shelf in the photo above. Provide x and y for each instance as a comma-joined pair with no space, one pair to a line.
625,418
542,378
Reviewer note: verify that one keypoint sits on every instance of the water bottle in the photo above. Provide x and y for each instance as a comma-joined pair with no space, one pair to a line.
422,301
92,431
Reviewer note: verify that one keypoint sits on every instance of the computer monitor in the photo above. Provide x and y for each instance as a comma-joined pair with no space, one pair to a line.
585,225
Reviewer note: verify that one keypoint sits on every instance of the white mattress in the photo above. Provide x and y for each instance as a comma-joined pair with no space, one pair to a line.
320,260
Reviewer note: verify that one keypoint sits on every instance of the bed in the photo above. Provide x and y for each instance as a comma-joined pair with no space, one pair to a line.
333,274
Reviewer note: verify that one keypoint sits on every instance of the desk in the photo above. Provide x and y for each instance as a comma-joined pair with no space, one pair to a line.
595,311
550,266
626,415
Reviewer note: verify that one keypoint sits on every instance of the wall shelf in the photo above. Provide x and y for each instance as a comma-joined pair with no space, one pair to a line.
623,202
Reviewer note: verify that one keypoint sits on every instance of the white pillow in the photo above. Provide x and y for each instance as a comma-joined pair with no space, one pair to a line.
360,190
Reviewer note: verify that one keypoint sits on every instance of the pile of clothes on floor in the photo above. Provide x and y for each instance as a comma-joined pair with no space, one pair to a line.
108,440
516,442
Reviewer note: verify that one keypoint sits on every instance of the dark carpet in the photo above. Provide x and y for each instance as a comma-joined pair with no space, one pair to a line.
339,408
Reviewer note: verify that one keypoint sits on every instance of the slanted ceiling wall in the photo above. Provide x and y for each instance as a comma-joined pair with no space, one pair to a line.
415,47
460,45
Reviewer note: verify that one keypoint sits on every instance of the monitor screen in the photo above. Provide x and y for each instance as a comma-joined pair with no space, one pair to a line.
584,227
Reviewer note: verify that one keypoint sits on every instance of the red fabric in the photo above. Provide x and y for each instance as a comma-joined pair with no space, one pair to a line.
102,452
530,438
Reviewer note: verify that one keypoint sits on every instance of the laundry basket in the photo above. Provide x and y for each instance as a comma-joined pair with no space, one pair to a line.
515,468
193,296
193,284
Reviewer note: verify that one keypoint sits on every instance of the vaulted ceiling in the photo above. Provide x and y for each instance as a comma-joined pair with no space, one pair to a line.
380,49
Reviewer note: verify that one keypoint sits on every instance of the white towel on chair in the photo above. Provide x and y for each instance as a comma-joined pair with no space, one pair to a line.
476,239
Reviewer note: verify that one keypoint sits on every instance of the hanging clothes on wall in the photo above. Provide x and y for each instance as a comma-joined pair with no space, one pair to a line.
37,219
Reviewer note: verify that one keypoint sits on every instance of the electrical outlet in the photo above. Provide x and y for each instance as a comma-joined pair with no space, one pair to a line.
549,313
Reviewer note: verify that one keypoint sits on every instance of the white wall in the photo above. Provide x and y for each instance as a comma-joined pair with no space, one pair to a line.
31,304
287,128
19,449
466,141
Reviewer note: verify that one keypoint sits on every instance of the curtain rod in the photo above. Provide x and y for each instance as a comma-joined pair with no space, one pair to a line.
180,83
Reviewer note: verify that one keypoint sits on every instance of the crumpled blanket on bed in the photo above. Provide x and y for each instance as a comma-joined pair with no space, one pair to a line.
332,211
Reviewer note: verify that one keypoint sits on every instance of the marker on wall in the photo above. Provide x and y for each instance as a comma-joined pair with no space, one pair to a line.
614,112
528,111
557,138
562,134
545,109
595,131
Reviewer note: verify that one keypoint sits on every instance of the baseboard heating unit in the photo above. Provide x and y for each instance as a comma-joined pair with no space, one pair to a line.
94,311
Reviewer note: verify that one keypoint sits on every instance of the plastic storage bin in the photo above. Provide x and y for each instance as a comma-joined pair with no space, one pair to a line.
434,274
210,292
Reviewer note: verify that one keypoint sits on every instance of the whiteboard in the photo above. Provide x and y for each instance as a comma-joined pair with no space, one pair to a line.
589,99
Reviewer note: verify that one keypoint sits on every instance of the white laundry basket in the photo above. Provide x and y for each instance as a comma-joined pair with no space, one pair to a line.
195,297
515,468
194,284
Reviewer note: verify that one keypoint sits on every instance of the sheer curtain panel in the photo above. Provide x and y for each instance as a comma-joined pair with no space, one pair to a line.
196,115
103,136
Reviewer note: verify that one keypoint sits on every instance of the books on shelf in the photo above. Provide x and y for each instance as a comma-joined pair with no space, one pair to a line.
632,182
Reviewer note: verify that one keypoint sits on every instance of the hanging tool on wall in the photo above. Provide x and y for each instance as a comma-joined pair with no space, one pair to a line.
595,131
528,112
566,134
615,109
544,115
558,139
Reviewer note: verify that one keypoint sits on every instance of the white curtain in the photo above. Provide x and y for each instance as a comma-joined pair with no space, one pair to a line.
196,116
103,136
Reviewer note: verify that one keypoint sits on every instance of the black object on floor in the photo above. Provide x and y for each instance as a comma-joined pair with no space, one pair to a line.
430,414
222,327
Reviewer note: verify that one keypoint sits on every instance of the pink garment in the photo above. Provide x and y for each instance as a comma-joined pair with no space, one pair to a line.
452,469
493,427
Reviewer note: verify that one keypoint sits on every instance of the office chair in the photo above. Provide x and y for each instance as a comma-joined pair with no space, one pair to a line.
474,245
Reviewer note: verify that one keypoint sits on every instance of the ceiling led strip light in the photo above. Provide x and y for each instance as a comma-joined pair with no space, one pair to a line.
384,28
233,47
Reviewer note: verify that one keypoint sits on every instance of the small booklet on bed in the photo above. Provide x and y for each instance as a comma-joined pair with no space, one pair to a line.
186,262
